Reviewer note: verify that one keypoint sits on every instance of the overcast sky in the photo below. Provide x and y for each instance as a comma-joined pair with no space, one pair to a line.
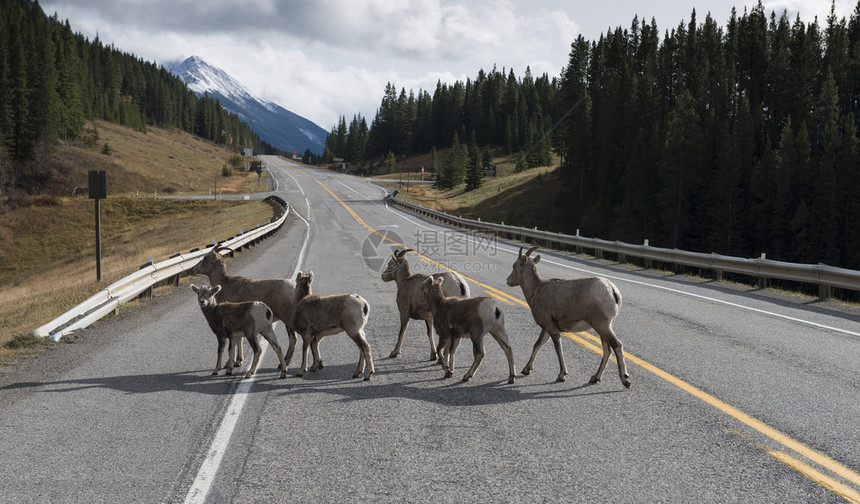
323,59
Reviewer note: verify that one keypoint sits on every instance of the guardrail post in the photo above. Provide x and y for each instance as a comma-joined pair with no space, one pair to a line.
763,282
578,246
147,293
648,262
174,280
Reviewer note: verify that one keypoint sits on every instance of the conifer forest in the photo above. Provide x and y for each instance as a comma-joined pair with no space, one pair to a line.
737,137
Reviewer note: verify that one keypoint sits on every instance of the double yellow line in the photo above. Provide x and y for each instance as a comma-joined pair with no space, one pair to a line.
593,343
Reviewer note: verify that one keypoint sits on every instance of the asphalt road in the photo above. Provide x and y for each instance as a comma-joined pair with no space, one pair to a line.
737,395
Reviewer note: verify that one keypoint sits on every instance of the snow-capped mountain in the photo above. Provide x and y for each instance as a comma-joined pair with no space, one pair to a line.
275,124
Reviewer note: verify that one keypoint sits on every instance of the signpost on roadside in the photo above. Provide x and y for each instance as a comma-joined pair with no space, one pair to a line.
98,191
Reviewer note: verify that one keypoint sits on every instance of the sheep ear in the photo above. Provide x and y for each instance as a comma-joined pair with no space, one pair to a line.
536,259
310,277
298,276
438,280
195,288
428,280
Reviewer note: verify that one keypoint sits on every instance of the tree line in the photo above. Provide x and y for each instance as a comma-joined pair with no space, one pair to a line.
53,80
738,139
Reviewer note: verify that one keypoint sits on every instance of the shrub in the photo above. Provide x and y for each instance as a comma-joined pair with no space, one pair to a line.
226,171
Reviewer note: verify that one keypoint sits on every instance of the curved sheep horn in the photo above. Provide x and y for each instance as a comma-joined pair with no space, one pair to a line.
520,253
219,248
530,250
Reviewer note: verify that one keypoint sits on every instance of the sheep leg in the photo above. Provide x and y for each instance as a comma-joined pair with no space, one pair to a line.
404,321
478,351
611,343
291,348
434,355
269,334
453,343
255,346
501,338
603,360
222,342
544,336
240,355
315,349
363,355
230,354
306,344
562,368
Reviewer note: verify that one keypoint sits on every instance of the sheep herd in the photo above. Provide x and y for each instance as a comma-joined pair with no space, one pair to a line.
246,308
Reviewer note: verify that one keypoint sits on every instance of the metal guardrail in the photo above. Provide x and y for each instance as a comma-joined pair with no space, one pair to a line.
126,289
826,277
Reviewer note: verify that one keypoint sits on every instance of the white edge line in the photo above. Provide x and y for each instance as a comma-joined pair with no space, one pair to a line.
209,468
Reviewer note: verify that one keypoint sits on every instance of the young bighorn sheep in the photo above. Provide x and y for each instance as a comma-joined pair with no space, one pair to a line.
231,321
411,302
570,305
472,318
319,316
278,294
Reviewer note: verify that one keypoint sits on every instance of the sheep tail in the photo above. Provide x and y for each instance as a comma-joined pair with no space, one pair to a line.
498,313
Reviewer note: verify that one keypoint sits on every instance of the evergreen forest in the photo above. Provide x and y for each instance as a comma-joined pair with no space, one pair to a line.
53,80
738,138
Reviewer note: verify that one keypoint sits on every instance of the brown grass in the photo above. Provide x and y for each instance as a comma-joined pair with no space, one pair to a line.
47,241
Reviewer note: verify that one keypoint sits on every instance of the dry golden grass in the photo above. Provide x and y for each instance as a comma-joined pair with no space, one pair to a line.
47,242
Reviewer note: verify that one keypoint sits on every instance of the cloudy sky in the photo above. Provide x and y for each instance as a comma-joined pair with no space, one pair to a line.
323,59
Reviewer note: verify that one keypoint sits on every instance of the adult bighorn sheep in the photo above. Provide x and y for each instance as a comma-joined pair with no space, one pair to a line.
231,321
570,305
472,318
278,293
411,302
318,316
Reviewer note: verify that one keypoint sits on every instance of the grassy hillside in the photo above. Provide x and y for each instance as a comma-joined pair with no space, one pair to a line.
529,198
47,256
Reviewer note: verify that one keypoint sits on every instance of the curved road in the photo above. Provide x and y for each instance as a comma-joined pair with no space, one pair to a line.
737,396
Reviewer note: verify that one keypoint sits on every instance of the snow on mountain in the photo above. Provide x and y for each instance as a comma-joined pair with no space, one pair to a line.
275,124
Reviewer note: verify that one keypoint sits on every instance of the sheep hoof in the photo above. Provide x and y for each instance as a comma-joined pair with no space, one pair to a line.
594,379
283,374
626,382
448,374
434,357
249,374
356,374
215,373
511,379
393,355
229,372
560,379
367,378
301,373
466,378
526,371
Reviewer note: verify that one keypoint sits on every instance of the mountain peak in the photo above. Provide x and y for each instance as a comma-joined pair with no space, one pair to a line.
275,124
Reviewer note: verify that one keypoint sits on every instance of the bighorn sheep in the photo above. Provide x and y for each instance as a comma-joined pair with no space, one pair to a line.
319,316
231,321
411,302
456,318
570,305
278,293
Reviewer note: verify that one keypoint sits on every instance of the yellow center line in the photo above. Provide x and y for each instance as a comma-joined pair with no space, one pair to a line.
582,339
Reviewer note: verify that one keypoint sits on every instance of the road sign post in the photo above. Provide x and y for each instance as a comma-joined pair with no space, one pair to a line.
98,191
